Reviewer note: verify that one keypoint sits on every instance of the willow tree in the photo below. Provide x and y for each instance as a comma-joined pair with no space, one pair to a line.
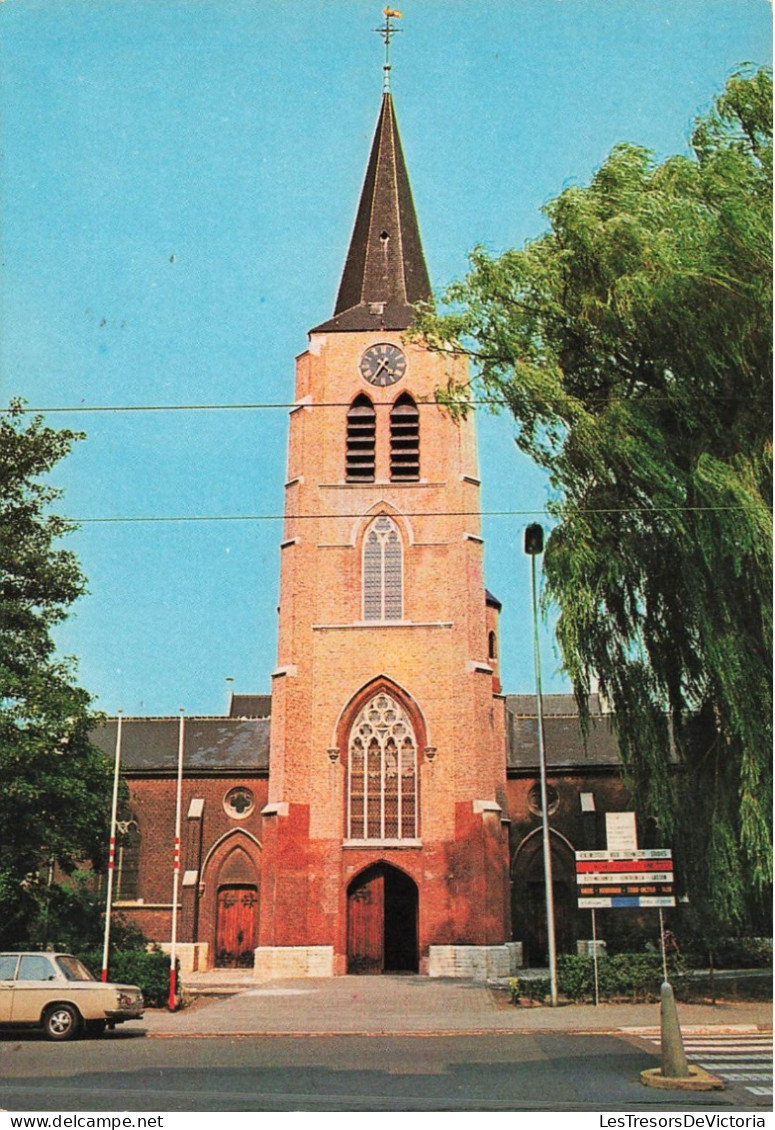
632,343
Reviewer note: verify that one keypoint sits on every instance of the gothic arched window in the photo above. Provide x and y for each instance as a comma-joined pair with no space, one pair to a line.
127,865
383,569
361,441
404,440
382,773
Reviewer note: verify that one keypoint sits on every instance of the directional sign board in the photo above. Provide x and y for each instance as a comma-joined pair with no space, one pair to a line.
625,878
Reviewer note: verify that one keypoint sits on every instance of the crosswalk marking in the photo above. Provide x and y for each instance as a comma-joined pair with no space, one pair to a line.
737,1057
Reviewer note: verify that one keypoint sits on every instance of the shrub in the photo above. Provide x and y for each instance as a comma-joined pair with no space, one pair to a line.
530,988
635,975
147,967
743,953
537,988
576,977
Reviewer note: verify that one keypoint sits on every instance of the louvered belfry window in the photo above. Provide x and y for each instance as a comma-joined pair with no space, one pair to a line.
361,441
404,441
382,773
383,597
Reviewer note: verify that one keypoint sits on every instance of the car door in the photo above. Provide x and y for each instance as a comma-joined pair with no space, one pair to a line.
8,963
33,988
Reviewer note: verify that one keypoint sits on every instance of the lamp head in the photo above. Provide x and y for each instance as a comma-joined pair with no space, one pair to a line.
534,539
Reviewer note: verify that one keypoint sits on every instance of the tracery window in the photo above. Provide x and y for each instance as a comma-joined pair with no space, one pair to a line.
361,441
382,773
127,858
383,572
404,440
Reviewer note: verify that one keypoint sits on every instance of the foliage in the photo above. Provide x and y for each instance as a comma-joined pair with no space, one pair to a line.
632,344
71,918
71,915
144,965
54,785
529,988
637,976
737,953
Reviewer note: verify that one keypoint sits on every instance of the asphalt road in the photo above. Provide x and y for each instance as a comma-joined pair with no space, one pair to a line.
130,1072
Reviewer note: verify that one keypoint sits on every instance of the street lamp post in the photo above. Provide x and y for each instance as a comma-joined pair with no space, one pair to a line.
534,546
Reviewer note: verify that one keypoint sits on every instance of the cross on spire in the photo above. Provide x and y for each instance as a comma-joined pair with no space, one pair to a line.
387,31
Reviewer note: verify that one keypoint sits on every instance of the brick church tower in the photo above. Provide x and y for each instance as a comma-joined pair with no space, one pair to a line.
385,840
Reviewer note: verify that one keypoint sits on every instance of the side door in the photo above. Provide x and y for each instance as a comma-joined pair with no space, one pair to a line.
34,987
236,926
8,964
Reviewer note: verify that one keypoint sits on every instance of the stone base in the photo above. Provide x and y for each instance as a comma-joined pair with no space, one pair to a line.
192,956
586,947
698,1079
477,963
274,963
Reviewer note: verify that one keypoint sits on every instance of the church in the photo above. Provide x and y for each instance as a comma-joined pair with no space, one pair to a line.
379,811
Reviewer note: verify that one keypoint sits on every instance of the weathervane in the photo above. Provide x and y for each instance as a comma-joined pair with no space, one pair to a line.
387,32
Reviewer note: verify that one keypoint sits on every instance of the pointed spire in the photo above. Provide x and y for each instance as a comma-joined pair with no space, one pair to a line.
385,272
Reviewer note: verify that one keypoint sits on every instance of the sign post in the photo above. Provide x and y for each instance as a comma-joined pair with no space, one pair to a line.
624,878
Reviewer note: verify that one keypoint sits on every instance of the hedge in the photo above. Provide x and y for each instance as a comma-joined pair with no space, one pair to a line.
636,976
149,968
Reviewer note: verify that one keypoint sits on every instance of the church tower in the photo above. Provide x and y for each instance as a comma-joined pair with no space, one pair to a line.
383,836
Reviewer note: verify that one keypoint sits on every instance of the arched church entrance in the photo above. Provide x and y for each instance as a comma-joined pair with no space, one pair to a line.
382,904
236,890
529,898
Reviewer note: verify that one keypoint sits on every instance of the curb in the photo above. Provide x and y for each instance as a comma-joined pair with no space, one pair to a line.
698,1079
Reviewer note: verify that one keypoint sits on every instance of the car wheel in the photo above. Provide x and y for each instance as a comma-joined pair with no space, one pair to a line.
61,1022
95,1027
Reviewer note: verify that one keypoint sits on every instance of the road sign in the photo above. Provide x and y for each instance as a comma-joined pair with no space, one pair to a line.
650,853
616,878
597,903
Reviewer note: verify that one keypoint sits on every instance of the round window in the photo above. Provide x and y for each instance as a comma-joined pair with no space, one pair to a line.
552,799
239,803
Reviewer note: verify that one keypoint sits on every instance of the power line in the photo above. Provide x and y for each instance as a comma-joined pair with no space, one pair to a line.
191,518
110,409
115,408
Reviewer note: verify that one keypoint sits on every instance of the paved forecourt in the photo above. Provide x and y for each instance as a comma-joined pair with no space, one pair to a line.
413,1004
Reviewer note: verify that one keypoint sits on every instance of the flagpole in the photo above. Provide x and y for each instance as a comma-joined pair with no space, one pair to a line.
176,868
111,852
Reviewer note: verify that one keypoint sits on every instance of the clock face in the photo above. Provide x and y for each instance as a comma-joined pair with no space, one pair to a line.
383,364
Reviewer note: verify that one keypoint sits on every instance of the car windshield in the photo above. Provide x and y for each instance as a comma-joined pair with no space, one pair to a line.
74,970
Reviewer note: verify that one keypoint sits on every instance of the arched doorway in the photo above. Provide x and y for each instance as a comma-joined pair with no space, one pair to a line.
529,897
382,921
236,905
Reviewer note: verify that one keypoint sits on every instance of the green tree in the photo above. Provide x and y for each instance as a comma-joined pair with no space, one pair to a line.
54,785
632,343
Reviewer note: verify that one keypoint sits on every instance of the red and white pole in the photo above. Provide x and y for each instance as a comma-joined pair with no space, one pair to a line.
176,868
111,852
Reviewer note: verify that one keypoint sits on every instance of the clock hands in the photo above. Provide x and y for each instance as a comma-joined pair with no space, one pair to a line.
383,364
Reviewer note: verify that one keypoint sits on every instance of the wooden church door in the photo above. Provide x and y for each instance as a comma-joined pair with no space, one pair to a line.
235,927
366,924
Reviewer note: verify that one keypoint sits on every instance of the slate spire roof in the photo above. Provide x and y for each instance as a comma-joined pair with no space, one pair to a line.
385,272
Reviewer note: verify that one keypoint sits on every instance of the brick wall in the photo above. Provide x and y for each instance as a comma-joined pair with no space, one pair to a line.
206,845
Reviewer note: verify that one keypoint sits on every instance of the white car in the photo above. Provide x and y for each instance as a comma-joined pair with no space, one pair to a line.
56,992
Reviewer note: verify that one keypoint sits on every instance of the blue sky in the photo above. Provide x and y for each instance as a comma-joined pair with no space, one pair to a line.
179,183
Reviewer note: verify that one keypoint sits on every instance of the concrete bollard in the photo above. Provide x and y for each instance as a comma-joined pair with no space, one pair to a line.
674,1065
675,1073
